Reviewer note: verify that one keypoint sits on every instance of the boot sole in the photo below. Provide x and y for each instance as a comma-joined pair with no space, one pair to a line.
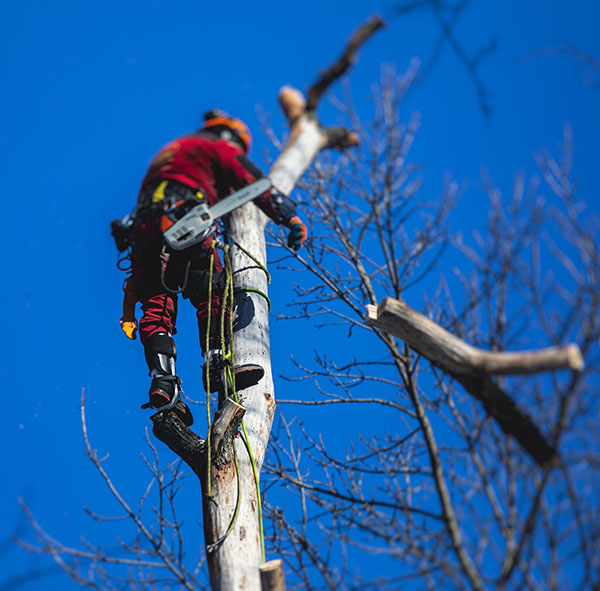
245,377
181,409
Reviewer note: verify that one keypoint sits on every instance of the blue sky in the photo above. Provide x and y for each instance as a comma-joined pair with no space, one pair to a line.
92,91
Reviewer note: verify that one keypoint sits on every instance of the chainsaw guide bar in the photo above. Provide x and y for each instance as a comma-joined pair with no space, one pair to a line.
200,221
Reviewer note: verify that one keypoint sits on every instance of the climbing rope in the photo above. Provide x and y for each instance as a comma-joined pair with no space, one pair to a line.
254,290
253,258
227,347
229,381
207,385
164,261
212,547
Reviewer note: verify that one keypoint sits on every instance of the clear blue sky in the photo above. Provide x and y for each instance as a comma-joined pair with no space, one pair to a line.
92,90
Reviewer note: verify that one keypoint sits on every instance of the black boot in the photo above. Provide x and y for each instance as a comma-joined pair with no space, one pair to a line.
165,386
219,374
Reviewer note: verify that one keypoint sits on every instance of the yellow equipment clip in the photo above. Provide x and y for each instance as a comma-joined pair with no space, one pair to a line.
159,192
129,324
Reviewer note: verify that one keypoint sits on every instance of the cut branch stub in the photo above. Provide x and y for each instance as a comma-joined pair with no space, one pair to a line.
227,421
169,428
271,576
292,103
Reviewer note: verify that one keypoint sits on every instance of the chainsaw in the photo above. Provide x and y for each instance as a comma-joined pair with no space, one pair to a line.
199,222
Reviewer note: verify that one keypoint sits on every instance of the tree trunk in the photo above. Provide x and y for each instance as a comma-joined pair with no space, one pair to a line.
233,565
231,505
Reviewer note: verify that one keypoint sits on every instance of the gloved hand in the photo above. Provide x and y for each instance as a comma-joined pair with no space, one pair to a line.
298,233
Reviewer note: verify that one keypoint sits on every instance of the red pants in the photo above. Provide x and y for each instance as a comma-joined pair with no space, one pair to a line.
189,271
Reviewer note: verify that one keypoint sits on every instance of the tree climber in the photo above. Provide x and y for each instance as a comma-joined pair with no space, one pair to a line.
206,165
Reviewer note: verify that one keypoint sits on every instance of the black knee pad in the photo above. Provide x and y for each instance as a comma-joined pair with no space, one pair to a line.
159,343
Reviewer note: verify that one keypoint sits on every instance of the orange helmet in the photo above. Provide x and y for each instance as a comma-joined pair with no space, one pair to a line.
228,128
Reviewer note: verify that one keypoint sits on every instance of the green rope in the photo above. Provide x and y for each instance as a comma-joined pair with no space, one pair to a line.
229,292
212,547
227,353
230,368
253,258
258,495
207,385
254,290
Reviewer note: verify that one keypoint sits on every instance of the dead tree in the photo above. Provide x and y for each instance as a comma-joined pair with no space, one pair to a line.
231,503
416,473
228,462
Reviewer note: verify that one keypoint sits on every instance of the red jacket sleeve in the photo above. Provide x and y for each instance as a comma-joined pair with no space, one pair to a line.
237,171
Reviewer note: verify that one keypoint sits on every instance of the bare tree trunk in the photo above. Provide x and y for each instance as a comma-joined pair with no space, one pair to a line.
234,565
231,503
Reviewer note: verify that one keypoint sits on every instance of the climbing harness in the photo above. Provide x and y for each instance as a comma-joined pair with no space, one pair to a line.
165,256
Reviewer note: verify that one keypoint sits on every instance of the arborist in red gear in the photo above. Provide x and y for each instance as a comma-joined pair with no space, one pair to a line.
207,165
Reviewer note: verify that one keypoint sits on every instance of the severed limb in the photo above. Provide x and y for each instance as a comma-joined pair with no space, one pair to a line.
458,357
473,368
169,428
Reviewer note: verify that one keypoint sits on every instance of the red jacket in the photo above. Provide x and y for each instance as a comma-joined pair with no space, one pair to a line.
205,162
